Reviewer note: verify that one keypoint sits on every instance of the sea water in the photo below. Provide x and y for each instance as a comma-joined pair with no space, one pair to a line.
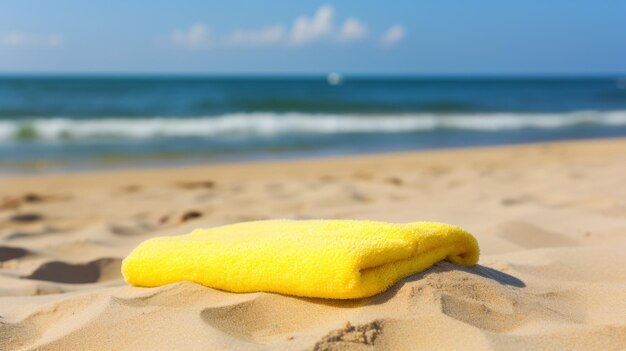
55,122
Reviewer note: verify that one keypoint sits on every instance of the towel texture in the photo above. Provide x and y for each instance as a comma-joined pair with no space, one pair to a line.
315,258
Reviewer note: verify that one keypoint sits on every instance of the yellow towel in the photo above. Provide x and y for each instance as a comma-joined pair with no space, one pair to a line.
315,258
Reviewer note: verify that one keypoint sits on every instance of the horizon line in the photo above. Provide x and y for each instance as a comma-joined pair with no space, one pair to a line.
173,74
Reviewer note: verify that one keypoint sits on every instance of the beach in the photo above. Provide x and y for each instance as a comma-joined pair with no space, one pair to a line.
550,219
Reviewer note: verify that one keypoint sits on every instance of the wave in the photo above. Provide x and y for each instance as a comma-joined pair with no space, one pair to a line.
269,124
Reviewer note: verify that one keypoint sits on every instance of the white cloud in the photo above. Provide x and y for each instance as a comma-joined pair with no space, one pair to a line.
307,29
352,29
19,39
263,36
195,37
393,35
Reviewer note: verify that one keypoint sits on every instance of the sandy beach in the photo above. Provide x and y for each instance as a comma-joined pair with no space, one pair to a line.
550,219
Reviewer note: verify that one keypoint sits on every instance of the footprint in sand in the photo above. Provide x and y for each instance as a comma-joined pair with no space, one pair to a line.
34,198
46,230
10,253
395,181
81,273
189,215
193,185
14,203
131,229
25,218
168,219
478,296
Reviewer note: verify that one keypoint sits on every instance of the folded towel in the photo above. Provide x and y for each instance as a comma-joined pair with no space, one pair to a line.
315,258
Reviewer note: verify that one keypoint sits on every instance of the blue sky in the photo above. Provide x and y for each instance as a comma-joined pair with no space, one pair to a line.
376,37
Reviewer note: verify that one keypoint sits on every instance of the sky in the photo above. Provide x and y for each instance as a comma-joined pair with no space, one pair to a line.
427,37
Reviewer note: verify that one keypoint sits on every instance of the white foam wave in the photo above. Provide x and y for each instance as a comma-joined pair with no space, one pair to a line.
268,124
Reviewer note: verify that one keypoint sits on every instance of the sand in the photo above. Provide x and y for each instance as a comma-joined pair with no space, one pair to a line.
550,219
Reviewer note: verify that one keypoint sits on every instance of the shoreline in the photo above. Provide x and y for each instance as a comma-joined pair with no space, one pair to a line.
194,166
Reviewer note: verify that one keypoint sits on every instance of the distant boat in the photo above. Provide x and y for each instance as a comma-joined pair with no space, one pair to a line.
333,78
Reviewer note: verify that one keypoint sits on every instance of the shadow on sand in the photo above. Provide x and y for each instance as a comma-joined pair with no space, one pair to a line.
440,267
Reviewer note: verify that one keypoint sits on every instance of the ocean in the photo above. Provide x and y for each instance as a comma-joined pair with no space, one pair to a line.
56,123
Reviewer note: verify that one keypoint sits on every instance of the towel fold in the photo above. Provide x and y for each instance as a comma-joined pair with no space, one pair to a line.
315,258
